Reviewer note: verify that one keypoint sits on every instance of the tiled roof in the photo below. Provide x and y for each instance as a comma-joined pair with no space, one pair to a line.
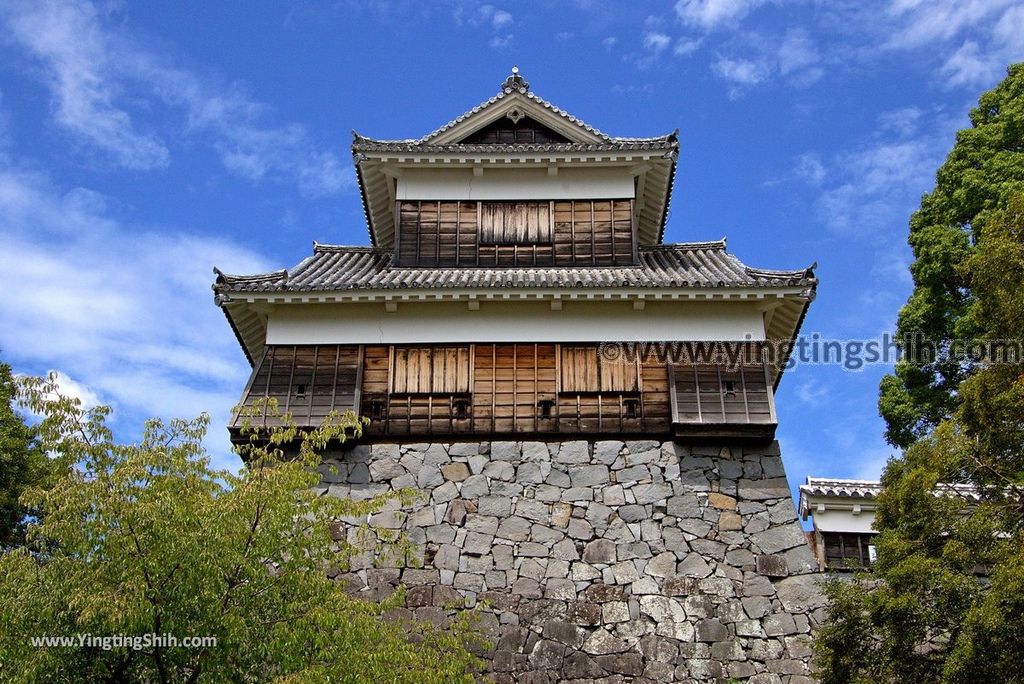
515,84
589,145
689,265
667,143
869,489
525,92
823,486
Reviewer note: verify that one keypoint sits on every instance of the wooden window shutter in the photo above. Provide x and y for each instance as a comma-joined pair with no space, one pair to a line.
430,370
585,370
618,375
515,223
579,369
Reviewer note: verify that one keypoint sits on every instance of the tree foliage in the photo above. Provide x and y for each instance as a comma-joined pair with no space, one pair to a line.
147,539
23,464
944,601
984,169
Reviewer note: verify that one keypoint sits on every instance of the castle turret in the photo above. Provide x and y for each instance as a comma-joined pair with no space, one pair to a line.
589,411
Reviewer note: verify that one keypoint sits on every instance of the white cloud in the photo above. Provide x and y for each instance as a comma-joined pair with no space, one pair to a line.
609,42
103,83
76,390
501,42
710,14
809,168
125,311
903,122
799,59
634,89
493,20
968,65
500,19
921,22
67,38
983,36
811,392
685,47
740,73
656,42
883,183
484,15
793,58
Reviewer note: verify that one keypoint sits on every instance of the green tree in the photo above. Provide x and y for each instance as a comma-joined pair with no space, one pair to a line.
944,601
985,167
22,464
147,538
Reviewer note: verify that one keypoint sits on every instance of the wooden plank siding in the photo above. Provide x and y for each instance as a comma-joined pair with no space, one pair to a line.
516,223
420,391
548,233
430,370
308,381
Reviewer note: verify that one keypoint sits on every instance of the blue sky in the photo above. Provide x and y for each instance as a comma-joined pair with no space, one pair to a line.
142,144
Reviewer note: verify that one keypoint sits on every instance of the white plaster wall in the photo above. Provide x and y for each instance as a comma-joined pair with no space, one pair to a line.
831,520
512,322
511,184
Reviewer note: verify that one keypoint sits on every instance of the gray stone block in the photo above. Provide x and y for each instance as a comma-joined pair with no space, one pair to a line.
635,550
599,551
499,506
764,489
781,538
474,487
601,642
607,451
573,452
588,475
536,451
514,529
711,629
652,493
801,593
505,451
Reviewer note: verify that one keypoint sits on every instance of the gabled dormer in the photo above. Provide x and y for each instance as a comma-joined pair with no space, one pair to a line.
516,181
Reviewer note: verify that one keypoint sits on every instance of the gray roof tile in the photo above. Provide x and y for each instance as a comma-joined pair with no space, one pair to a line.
667,143
689,265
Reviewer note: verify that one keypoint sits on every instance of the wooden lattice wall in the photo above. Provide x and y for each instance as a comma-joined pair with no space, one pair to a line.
526,388
549,233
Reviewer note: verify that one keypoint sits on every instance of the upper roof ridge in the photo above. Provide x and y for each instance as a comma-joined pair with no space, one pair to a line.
706,244
321,248
515,82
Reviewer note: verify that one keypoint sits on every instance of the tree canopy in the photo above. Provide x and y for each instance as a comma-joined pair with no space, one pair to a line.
147,539
945,600
23,464
984,169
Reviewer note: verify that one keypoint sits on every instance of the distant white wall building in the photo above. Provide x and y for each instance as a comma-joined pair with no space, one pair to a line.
843,514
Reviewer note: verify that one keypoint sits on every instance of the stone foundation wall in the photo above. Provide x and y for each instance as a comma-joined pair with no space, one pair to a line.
600,561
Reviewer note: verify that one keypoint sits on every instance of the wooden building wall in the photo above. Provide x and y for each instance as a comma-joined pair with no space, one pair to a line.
505,131
419,391
485,233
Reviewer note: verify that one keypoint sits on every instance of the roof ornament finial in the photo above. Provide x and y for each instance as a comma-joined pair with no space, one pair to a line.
515,83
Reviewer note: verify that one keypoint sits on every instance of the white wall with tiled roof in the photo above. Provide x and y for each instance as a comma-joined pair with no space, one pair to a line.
513,321
516,184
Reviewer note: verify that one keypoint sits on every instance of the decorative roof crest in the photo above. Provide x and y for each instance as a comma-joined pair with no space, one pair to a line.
515,83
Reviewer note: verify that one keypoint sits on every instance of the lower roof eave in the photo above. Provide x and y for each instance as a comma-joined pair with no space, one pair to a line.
568,293
233,302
